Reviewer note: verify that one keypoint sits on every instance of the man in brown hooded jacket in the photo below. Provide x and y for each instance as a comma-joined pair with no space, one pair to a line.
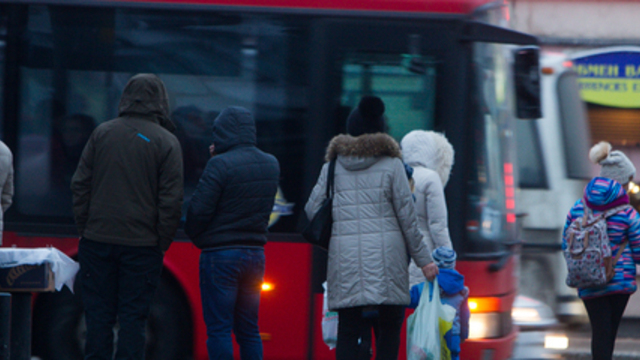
127,199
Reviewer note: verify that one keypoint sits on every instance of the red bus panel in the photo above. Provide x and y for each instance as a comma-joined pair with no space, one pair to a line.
422,6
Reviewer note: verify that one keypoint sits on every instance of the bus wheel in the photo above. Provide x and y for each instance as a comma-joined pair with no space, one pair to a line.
59,332
169,329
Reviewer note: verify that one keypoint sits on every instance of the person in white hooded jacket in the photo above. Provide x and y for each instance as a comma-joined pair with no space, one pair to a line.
431,156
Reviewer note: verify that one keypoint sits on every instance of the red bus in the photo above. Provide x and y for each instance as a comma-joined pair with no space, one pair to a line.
300,67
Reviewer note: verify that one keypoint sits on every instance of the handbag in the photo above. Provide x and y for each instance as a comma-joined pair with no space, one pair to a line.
318,231
428,324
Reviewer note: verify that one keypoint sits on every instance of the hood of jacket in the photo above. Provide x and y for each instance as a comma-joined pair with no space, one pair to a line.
146,96
360,152
450,281
603,194
234,126
428,149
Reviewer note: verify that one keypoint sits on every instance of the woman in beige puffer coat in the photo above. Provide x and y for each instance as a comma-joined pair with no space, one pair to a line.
374,232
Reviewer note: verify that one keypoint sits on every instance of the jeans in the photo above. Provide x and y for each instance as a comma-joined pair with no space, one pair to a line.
605,313
117,282
230,285
386,325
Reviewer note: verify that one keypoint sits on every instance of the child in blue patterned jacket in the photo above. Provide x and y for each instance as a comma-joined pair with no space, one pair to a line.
606,304
452,292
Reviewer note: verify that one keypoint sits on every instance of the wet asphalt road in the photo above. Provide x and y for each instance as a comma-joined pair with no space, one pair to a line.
530,344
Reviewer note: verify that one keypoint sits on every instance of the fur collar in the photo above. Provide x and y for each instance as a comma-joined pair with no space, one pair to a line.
363,146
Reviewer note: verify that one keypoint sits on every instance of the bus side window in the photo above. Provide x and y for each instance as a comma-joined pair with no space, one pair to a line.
532,173
576,135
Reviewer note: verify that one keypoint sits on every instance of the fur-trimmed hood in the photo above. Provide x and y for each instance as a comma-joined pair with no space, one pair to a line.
360,152
367,145
428,149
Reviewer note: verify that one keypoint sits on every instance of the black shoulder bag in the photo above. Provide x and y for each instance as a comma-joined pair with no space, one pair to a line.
318,231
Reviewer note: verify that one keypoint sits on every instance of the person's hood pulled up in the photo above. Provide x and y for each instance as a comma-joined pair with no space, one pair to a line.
233,127
145,95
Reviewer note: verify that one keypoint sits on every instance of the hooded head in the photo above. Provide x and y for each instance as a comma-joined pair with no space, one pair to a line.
367,118
145,95
428,149
234,126
613,164
604,193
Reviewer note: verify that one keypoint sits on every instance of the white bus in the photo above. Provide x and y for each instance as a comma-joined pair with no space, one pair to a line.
553,170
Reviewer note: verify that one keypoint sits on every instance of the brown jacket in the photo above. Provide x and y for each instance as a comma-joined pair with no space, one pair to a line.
128,186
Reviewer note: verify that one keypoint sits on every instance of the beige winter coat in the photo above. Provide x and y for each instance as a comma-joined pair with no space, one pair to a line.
375,226
6,182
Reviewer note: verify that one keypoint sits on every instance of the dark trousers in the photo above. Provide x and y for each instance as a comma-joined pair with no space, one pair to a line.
605,313
353,324
230,286
117,282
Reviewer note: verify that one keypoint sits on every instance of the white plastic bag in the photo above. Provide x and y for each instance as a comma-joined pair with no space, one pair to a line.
329,322
428,324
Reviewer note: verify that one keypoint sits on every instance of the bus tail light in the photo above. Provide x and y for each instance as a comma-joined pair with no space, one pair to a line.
488,318
547,70
509,191
267,286
484,304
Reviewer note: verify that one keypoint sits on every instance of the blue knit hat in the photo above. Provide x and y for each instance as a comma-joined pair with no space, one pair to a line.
444,257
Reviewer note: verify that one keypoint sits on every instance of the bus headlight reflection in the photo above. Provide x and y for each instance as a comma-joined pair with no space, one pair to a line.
556,342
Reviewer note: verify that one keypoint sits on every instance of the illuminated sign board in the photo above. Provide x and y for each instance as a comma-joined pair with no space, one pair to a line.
610,78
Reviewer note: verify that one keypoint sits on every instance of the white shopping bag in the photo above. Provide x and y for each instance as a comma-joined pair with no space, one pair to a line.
329,322
428,324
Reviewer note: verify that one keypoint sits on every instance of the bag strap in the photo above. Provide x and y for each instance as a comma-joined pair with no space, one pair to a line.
615,210
586,211
620,251
624,244
330,178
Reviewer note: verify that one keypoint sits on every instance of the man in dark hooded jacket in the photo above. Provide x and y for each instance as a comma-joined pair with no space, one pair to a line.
227,218
127,199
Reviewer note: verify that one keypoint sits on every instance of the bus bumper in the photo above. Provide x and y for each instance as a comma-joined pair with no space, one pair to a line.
489,349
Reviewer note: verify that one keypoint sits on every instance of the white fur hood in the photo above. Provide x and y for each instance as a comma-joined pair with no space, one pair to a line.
428,149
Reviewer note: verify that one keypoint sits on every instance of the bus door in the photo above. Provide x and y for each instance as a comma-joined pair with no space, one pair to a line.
402,62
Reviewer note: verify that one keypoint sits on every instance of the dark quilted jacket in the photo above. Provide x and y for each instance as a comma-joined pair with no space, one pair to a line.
234,198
